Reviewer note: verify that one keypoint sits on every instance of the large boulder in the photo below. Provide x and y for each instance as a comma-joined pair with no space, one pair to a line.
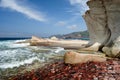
75,58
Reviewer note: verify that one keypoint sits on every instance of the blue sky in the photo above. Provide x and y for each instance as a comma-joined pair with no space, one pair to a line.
24,18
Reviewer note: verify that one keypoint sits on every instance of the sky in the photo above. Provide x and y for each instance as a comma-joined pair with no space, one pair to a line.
43,18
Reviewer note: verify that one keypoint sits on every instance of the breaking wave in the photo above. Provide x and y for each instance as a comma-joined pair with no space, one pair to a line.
14,55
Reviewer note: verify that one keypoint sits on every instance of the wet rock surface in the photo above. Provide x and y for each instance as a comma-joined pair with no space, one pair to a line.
109,70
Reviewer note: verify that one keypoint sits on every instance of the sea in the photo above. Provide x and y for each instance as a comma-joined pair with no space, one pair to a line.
14,54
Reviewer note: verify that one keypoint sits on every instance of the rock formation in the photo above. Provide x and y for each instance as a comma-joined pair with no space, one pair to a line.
75,58
103,22
54,42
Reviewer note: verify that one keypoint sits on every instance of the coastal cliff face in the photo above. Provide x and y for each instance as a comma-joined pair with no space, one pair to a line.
103,22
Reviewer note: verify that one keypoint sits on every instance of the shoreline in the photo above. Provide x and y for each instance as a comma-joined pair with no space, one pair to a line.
59,70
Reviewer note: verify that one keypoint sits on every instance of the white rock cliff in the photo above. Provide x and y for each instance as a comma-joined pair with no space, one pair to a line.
103,22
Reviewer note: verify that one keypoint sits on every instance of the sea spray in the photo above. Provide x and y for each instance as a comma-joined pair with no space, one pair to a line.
17,64
13,54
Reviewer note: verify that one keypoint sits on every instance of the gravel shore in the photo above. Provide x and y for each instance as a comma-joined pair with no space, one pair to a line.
109,70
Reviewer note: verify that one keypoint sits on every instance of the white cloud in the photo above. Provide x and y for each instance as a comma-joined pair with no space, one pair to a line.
29,12
66,25
80,6
60,23
72,27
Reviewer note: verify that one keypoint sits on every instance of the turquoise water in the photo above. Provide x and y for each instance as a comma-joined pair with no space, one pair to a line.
14,55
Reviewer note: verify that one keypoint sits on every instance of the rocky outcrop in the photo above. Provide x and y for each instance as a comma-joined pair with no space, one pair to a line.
54,42
103,22
75,58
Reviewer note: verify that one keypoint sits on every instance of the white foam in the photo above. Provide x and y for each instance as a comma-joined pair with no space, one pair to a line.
18,45
59,49
12,44
15,55
16,41
5,43
17,64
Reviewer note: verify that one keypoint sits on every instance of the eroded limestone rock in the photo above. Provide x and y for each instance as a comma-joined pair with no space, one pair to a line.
96,22
67,44
103,22
75,58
